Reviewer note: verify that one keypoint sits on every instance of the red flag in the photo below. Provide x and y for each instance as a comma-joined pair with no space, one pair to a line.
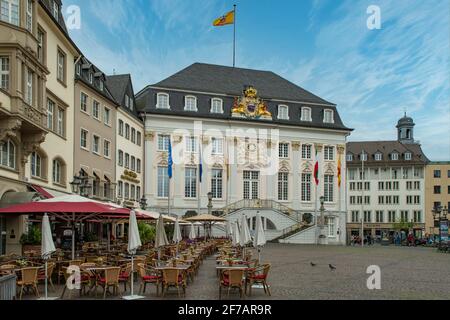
316,170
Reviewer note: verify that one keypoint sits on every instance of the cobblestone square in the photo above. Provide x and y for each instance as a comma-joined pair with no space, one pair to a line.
406,273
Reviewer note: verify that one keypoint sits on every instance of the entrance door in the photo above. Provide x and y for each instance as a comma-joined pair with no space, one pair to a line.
251,184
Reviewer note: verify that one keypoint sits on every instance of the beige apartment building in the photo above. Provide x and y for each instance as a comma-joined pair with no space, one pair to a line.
437,190
95,132
129,139
36,107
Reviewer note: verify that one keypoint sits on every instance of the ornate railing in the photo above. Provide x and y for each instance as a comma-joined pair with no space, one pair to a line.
261,204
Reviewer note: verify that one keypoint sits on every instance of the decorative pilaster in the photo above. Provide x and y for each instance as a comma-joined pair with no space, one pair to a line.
149,135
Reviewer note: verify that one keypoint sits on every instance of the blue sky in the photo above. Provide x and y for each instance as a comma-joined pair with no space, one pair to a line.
324,46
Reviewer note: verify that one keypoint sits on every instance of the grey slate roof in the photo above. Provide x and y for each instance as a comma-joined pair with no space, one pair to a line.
119,85
208,80
386,148
98,75
228,80
49,6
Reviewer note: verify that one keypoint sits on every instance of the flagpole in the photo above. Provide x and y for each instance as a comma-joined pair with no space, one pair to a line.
200,173
362,200
234,37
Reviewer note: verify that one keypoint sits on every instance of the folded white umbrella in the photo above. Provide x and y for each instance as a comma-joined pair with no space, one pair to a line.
260,237
47,244
228,229
192,233
160,237
235,236
134,240
244,237
47,247
134,243
177,234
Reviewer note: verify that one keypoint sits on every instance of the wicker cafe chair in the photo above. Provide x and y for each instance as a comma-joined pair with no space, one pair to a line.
258,275
85,280
148,275
125,275
41,274
7,268
29,278
231,278
173,277
111,279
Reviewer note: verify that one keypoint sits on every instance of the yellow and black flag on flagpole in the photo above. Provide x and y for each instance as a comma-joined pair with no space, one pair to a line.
228,18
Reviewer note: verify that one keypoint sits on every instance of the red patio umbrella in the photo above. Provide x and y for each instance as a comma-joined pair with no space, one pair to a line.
71,208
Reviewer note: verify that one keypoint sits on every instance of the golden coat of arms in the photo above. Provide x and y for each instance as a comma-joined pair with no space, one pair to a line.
250,106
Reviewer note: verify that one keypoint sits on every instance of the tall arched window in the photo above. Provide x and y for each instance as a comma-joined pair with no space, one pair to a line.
8,154
57,171
36,165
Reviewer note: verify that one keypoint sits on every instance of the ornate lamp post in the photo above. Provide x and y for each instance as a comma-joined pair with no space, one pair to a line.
80,184
75,184
322,235
210,196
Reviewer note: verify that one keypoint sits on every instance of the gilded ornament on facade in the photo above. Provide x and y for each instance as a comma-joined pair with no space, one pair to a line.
250,106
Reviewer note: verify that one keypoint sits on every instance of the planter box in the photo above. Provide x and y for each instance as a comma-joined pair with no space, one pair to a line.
29,247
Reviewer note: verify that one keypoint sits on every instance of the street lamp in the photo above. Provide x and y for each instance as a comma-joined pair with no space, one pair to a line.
75,184
143,202
321,224
210,196
322,210
80,184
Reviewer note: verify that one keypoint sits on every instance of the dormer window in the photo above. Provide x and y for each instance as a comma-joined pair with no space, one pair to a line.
328,116
349,157
378,156
91,77
216,105
190,103
363,156
127,101
306,114
283,112
162,101
101,85
78,69
55,10
394,156
408,156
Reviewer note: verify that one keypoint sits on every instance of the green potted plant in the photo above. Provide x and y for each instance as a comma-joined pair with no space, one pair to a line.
31,241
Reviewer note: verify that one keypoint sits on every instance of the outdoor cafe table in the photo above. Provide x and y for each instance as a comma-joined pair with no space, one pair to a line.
97,272
178,267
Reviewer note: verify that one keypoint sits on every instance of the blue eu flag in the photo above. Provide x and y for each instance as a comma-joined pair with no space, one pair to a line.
170,161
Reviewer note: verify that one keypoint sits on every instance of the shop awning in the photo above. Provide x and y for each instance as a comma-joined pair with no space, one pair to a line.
44,193
13,198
